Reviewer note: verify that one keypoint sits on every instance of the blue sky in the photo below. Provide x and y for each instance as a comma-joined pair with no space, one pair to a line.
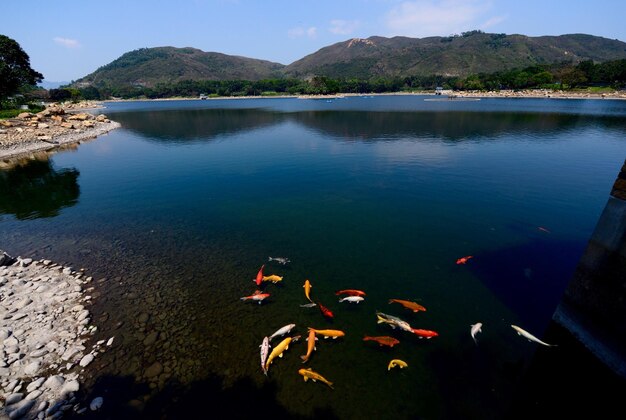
66,40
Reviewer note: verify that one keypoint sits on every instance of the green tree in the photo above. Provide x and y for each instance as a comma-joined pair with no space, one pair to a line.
15,70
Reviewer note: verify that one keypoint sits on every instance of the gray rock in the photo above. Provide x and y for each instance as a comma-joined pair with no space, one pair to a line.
26,262
23,303
4,334
86,360
35,384
70,386
32,368
154,369
39,353
151,338
5,259
11,341
13,398
21,409
35,394
54,382
96,403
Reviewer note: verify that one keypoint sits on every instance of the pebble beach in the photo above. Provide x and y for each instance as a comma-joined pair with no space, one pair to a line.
45,332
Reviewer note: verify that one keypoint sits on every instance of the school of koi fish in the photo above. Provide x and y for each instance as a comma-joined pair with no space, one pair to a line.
349,296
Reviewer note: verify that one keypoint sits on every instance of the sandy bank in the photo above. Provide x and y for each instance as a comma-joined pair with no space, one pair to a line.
537,93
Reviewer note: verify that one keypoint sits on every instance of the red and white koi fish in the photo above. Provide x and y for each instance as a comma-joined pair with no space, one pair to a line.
259,276
256,296
465,259
265,348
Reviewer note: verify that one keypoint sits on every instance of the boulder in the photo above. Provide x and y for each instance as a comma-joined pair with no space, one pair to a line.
80,117
5,259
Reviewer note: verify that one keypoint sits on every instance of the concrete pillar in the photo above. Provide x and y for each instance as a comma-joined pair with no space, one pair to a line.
593,307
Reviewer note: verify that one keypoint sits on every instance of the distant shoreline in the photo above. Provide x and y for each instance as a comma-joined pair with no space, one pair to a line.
546,94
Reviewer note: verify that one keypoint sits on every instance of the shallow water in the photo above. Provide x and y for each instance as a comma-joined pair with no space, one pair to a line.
175,213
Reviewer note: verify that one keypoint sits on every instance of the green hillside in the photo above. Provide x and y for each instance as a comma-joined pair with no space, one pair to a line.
470,53
149,66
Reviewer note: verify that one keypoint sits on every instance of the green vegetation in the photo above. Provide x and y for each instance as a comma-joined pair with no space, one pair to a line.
14,112
15,70
586,75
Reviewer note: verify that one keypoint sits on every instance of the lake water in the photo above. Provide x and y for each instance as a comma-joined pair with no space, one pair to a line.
174,214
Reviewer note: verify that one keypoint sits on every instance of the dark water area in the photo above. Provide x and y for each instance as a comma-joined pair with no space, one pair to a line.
174,214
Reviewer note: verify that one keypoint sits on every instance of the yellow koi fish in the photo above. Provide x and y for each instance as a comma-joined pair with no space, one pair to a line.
328,333
278,351
307,289
311,346
309,374
396,362
273,278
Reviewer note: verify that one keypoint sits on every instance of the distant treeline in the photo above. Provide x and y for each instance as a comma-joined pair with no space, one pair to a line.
556,76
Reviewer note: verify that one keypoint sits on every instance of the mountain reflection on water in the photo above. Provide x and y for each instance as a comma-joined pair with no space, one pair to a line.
207,124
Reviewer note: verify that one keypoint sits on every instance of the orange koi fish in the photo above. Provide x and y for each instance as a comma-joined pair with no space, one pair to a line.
424,333
328,333
383,340
311,346
463,260
415,307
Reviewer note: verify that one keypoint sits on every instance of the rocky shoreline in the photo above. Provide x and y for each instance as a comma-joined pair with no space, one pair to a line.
54,127
45,327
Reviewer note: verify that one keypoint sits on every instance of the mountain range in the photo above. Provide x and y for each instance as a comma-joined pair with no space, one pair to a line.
459,55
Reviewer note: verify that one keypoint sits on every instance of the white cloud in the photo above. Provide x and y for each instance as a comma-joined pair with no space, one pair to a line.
422,18
66,42
343,27
493,21
300,31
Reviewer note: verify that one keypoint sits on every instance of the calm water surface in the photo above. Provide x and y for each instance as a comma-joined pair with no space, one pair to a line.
174,214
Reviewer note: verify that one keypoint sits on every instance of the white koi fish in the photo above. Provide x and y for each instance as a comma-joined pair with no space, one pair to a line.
265,349
282,331
530,337
279,260
476,328
352,299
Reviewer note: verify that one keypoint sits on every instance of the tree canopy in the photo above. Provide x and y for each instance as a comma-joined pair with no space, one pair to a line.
15,70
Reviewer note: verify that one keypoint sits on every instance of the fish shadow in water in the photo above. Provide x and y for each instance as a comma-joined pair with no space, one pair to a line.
530,279
205,398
